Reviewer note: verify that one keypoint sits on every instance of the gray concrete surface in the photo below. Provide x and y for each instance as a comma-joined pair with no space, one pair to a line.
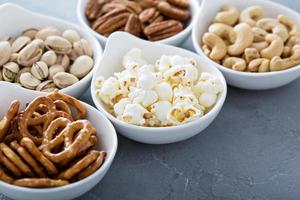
251,151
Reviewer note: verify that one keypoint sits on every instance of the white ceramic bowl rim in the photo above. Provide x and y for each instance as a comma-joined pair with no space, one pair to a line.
195,4
98,49
108,159
246,74
220,101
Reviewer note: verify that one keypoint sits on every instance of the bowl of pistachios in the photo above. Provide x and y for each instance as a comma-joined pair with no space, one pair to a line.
42,53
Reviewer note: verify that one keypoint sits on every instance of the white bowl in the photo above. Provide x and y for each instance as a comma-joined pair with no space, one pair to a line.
107,142
112,62
245,80
15,19
174,40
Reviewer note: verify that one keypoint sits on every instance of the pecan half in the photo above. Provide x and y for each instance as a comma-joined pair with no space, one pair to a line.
147,3
131,6
92,10
133,25
161,30
180,3
111,6
173,12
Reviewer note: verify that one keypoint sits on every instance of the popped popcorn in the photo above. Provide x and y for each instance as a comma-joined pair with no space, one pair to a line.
172,91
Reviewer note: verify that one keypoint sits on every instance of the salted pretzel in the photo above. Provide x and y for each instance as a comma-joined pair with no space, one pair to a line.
4,177
13,131
82,128
81,111
62,106
5,122
40,182
10,166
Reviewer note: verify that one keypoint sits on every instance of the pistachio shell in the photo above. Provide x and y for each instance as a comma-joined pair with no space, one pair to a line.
58,44
82,47
27,80
71,35
49,58
55,69
10,71
31,32
5,51
64,79
46,85
23,70
29,54
39,43
44,33
40,70
20,43
64,61
13,57
81,66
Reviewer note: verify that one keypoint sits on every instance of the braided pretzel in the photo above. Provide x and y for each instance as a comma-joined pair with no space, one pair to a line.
5,122
40,182
81,111
9,165
4,177
83,130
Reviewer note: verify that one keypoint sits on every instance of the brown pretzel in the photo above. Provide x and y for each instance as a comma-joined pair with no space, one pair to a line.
40,182
81,111
14,158
13,132
5,122
62,106
83,128
4,177
9,165
80,165
29,145
28,158
93,167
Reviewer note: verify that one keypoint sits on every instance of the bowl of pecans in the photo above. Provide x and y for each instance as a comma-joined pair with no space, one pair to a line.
44,53
52,146
168,22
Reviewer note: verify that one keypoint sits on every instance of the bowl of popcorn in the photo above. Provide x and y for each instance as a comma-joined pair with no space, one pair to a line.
167,22
155,93
52,146
43,53
254,43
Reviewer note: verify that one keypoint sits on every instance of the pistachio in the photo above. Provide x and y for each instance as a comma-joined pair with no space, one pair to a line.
55,69
31,32
46,85
27,80
10,71
82,47
20,43
58,44
49,58
71,35
64,61
29,54
44,33
40,70
1,77
13,57
39,43
5,51
64,79
81,66
23,70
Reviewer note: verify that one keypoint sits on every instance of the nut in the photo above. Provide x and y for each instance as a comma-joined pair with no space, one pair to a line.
259,34
46,86
40,70
55,69
251,14
278,63
31,33
23,70
133,25
44,33
294,30
235,63
64,79
180,3
64,61
228,15
20,43
81,66
172,12
92,10
274,49
13,57
5,51
58,44
216,44
27,80
71,35
82,47
148,14
244,38
29,54
10,71
49,57
269,24
251,54
224,31
259,65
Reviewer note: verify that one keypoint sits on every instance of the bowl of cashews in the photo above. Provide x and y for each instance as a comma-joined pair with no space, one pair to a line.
254,43
52,145
156,93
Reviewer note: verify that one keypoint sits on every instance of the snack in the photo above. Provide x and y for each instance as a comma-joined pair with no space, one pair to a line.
45,59
170,92
150,19
246,41
48,144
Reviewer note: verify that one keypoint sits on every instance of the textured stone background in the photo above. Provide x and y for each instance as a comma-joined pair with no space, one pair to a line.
251,151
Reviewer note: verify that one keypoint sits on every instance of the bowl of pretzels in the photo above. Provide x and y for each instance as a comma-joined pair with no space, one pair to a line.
52,146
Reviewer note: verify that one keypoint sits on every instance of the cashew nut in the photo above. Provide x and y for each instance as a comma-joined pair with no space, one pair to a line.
235,63
251,14
228,15
216,44
292,41
287,51
272,25
293,28
251,54
206,50
259,65
274,49
259,45
244,38
259,34
223,30
278,63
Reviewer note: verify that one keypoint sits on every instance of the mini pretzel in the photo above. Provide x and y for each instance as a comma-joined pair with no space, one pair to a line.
62,106
40,182
13,132
83,128
29,145
9,165
14,158
28,158
81,111
4,177
5,122
82,164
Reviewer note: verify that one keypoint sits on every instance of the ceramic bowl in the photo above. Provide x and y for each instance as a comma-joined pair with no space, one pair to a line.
21,19
245,80
112,62
107,142
174,40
